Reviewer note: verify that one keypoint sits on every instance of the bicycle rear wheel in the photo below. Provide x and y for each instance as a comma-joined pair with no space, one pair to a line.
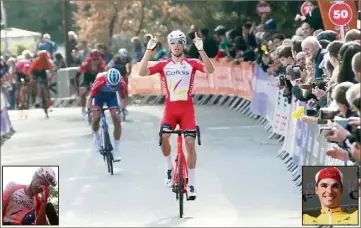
180,185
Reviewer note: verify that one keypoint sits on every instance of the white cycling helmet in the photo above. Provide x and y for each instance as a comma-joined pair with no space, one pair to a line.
113,77
47,174
123,52
177,34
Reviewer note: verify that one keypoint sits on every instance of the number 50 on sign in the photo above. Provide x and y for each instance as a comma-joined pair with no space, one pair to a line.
340,14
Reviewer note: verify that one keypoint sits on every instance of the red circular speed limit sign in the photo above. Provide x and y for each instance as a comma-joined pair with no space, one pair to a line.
305,7
340,14
263,8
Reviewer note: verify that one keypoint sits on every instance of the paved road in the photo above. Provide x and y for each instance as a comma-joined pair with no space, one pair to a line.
240,181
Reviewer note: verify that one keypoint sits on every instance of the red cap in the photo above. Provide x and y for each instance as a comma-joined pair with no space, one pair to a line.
332,173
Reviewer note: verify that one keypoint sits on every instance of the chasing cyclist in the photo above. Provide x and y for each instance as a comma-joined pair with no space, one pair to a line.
22,70
22,204
177,75
92,65
38,69
107,88
122,62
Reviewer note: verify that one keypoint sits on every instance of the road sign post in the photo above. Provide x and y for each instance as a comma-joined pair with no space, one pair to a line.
340,14
263,9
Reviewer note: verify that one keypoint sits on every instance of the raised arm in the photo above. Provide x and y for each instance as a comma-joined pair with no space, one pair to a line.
143,68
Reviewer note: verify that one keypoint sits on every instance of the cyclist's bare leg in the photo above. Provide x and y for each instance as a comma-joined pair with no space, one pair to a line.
47,92
17,97
191,162
117,133
95,121
191,152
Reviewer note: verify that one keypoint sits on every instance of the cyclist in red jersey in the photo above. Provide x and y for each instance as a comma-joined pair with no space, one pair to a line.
92,65
22,204
22,70
177,74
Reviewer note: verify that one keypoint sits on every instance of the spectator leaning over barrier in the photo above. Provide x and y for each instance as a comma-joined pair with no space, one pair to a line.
47,45
106,55
333,49
353,35
210,45
138,49
356,66
222,40
306,30
191,50
348,147
346,53
314,52
73,39
83,50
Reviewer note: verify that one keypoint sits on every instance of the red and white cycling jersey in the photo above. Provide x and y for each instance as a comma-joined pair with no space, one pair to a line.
177,77
16,202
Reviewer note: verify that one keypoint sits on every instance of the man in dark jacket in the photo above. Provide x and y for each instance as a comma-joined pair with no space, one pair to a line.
210,45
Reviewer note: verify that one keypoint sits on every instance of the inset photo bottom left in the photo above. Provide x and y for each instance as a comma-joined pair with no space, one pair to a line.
30,195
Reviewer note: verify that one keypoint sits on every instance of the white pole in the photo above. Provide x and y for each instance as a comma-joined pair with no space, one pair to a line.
342,32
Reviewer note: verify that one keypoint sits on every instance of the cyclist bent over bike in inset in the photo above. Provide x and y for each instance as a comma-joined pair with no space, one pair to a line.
92,65
177,74
108,88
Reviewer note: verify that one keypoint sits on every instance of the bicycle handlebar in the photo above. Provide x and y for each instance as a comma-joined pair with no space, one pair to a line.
179,133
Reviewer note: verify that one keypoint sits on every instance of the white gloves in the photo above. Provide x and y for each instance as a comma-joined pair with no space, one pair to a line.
198,42
152,43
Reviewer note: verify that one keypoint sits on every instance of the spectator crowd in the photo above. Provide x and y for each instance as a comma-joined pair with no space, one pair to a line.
313,66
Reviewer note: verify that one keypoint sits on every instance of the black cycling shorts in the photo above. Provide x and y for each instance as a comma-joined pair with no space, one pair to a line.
88,79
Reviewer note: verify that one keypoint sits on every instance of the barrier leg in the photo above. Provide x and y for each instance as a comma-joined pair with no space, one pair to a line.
222,100
235,103
204,99
241,104
246,109
213,100
281,139
296,178
280,153
288,160
293,168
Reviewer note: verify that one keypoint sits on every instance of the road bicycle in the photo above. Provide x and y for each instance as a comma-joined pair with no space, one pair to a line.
106,147
181,171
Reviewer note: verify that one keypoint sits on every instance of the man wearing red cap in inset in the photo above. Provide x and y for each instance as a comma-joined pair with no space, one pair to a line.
329,188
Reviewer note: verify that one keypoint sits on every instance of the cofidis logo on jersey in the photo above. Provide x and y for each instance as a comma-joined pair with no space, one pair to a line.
177,72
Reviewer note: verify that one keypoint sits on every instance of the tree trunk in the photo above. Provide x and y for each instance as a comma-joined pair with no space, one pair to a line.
111,26
141,21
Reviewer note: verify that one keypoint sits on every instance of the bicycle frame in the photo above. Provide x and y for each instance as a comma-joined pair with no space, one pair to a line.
184,168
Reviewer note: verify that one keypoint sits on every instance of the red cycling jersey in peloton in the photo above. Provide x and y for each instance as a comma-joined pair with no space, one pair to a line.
177,77
178,80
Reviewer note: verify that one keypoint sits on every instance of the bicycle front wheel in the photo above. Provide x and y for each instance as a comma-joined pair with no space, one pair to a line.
109,156
180,185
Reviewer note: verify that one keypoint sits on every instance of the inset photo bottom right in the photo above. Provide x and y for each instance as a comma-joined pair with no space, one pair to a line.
30,195
330,195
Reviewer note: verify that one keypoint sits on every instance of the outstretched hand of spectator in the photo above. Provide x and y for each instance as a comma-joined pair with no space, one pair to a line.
338,133
318,92
354,121
337,153
309,119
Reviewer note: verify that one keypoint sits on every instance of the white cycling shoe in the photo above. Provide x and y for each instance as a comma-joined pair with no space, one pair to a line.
169,178
116,154
96,143
191,192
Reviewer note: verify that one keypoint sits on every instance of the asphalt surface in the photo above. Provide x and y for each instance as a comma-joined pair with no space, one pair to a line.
239,180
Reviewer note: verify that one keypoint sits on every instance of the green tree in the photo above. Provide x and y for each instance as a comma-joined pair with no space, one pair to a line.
38,16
